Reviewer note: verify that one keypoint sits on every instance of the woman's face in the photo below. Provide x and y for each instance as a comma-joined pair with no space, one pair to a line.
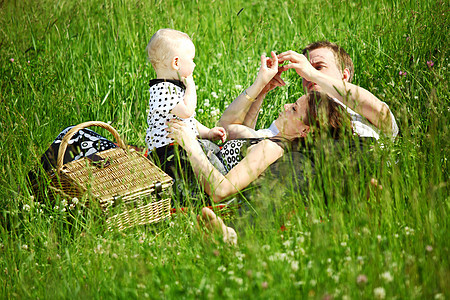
291,121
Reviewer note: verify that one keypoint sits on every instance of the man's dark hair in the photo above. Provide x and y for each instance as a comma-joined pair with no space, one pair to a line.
343,60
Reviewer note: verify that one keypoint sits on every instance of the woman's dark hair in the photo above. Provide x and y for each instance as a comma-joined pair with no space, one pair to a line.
326,116
326,119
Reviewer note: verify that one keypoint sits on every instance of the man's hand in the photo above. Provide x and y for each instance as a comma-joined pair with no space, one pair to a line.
299,62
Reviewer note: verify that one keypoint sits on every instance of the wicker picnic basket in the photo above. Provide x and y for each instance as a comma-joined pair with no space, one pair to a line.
129,188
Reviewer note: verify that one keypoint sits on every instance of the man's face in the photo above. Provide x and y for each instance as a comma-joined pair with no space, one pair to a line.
323,60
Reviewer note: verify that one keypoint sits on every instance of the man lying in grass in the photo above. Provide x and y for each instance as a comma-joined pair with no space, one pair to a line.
329,69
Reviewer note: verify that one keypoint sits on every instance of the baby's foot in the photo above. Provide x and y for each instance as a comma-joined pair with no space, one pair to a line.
215,224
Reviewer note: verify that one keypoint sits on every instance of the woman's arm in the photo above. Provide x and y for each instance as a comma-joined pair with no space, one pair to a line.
241,115
218,186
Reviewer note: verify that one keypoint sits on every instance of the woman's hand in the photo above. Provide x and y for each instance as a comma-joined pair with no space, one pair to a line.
275,82
299,62
181,133
268,71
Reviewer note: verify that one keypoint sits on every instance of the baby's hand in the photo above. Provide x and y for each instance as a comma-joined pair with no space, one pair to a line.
217,133
189,81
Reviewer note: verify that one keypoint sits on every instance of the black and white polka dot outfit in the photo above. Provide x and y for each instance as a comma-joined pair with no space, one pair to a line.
164,96
232,152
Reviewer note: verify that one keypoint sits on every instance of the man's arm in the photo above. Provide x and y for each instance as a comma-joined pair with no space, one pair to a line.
355,97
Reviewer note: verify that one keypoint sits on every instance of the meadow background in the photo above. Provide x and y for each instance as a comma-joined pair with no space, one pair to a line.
66,62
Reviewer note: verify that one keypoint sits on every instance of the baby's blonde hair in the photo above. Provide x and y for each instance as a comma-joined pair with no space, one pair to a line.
162,46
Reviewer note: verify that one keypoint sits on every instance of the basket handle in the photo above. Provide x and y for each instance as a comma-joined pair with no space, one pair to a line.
68,136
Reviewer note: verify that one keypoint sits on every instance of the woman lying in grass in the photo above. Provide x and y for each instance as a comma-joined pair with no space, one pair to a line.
315,114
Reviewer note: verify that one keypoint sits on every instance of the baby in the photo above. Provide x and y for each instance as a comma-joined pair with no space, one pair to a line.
173,94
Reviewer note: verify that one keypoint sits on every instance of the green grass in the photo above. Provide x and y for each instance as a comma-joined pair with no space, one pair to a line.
66,62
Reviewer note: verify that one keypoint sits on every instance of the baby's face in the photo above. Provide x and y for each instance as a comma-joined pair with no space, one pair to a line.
186,58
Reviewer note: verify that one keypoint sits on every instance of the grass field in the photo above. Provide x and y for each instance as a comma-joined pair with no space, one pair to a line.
66,62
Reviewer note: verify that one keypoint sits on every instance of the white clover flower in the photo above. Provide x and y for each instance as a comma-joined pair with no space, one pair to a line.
214,95
294,266
239,255
439,296
26,207
206,103
25,247
71,206
299,283
213,112
219,55
387,276
379,293
64,202
265,247
238,280
200,110
313,282
343,244
75,200
287,243
56,207
221,269
238,87
114,255
379,238
219,82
